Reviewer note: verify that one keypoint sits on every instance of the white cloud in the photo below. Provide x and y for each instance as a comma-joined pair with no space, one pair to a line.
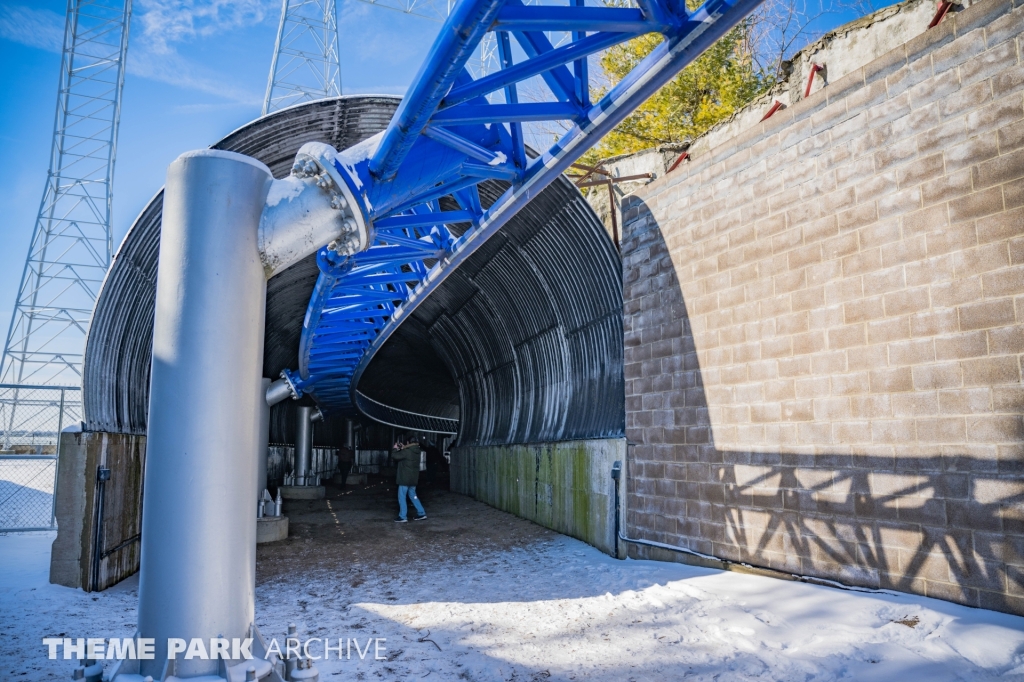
158,28
165,22
163,31
33,27
162,25
173,69
391,36
206,108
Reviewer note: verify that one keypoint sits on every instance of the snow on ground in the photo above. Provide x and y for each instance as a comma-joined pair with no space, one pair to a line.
26,489
559,610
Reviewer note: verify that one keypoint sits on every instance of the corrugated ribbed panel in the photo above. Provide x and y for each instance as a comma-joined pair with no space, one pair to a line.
530,327
525,338
118,348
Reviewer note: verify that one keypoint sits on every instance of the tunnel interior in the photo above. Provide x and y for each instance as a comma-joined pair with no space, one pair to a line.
521,344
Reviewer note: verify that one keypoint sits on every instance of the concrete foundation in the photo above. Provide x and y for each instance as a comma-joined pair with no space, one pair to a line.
302,492
271,529
565,486
72,557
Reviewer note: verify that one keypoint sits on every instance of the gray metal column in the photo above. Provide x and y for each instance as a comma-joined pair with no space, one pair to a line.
303,446
262,436
199,526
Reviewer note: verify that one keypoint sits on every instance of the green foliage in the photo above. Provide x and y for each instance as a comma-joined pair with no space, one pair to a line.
711,89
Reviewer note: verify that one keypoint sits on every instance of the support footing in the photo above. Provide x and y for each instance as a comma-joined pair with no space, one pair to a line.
271,529
302,492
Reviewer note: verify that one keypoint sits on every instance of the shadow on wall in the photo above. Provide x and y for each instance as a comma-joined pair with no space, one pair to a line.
946,525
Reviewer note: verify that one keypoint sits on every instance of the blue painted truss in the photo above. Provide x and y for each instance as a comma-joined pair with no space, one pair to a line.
447,137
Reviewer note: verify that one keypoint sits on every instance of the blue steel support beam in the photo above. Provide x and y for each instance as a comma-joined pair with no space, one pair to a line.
577,50
446,138
512,97
559,79
578,18
461,33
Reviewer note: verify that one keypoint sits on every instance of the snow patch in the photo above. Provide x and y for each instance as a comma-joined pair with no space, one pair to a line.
284,190
556,611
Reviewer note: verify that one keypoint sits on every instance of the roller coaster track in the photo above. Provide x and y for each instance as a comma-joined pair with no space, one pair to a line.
415,185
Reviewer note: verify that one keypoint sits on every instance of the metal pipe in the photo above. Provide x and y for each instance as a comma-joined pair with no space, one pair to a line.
350,435
616,483
279,391
199,532
102,476
310,208
56,461
303,445
262,438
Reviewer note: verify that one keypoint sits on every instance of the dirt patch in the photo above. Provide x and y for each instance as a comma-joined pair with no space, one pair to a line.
910,622
352,531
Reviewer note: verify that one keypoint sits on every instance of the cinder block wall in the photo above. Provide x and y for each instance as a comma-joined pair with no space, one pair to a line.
824,323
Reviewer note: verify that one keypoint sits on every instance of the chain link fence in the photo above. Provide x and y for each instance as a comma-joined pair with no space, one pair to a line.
31,419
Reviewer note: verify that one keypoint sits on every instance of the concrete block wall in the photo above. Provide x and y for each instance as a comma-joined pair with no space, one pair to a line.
565,486
824,321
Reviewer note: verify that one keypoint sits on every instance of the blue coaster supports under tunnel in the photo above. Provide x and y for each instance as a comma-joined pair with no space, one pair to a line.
446,138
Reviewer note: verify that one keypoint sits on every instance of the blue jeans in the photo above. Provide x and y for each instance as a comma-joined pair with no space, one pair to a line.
409,490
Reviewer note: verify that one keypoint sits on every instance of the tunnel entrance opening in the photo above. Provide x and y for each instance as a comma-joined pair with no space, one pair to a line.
522,344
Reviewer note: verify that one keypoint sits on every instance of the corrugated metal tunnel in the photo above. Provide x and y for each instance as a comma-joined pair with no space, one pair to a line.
523,343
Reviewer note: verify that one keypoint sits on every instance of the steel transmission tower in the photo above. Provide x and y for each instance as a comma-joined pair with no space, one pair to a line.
305,65
71,244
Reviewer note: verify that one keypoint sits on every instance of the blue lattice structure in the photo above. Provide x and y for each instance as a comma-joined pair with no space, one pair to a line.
416,185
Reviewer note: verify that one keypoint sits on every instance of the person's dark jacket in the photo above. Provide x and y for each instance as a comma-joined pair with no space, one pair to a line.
408,460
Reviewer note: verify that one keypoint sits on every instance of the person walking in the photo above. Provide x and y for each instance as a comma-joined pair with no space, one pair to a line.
407,456
346,458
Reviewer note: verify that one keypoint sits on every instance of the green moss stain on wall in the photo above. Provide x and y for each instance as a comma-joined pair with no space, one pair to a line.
564,486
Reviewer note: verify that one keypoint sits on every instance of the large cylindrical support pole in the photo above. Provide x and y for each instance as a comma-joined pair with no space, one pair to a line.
303,446
199,526
262,436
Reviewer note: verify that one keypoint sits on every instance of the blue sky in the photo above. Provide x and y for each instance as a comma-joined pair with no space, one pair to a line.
197,69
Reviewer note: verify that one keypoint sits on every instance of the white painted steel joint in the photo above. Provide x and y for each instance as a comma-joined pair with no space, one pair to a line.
310,208
282,389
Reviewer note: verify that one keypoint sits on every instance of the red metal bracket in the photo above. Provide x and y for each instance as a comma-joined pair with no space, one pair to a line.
775,107
583,181
675,164
815,68
940,12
